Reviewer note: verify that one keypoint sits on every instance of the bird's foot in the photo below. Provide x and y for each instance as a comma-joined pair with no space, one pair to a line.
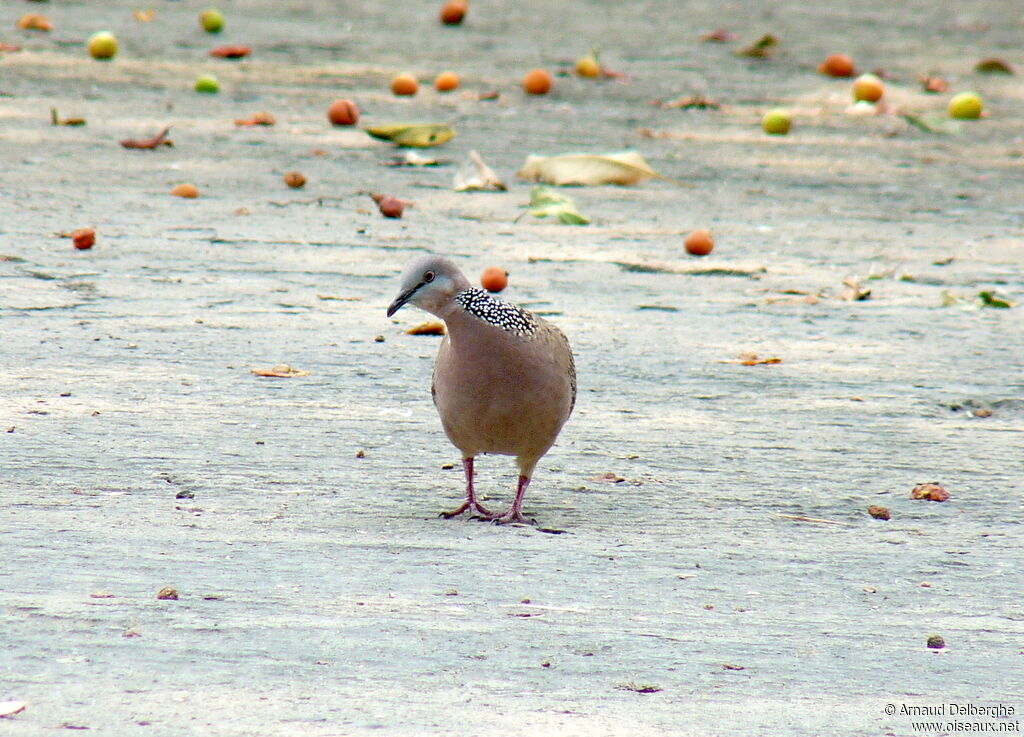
510,517
474,509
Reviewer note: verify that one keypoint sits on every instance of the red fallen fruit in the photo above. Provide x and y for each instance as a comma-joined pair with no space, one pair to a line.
453,12
231,52
83,238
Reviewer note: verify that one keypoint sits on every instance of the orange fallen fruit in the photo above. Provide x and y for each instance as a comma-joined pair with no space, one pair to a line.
295,179
446,81
837,65
189,191
494,279
699,243
404,85
83,238
537,82
868,87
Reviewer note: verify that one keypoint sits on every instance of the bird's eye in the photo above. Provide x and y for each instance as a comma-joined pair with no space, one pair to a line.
429,276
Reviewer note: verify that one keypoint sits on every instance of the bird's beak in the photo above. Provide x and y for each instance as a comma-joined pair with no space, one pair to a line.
401,299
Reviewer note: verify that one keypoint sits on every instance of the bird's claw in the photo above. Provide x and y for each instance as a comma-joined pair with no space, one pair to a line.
474,509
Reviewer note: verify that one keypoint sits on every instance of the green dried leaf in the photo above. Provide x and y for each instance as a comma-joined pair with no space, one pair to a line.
546,202
760,48
413,135
992,299
933,123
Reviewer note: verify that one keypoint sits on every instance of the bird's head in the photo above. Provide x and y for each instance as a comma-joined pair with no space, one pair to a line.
429,282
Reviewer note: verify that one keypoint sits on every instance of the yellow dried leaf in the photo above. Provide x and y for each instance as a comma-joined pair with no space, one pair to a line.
432,327
413,135
280,371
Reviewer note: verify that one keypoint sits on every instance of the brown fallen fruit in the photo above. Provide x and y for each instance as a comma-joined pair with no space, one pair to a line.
930,491
83,238
343,112
295,179
936,642
189,191
391,207
167,593
878,512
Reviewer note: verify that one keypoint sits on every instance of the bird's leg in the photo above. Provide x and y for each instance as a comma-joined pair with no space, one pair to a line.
470,504
515,512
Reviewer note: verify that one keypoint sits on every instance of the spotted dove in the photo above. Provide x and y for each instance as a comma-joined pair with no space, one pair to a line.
504,381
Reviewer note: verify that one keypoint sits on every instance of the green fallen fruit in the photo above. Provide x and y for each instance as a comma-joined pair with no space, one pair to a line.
102,45
776,122
211,20
207,83
965,106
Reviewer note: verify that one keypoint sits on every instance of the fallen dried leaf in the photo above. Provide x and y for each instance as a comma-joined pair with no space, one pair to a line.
431,327
411,158
231,52
933,84
761,48
545,202
413,135
730,666
981,412
817,520
101,595
34,22
993,299
638,687
751,359
933,123
625,168
10,708
167,593
280,371
57,120
479,177
878,512
260,118
993,66
488,95
144,16
930,491
853,291
719,36
607,478
147,143
687,102
9,48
